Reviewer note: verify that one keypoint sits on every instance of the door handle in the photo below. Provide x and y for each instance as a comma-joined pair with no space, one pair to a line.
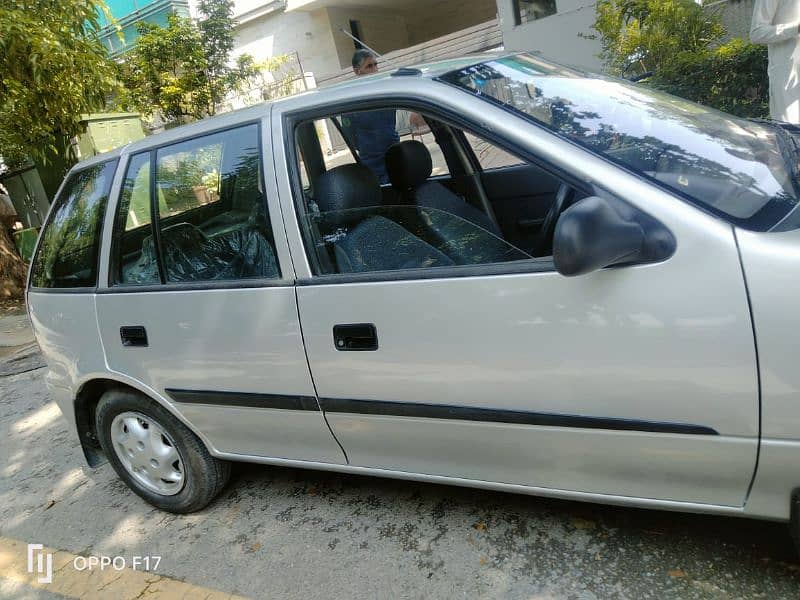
133,335
355,337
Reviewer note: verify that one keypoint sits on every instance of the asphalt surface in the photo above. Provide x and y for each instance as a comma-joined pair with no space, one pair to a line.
289,533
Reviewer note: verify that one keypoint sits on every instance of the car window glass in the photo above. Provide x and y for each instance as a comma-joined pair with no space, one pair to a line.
133,248
490,156
136,189
335,149
397,237
212,217
350,226
411,126
215,226
69,246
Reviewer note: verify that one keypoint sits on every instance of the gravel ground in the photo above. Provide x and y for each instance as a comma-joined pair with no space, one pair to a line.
289,533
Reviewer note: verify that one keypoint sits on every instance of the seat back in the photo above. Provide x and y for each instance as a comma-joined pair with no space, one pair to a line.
409,165
349,197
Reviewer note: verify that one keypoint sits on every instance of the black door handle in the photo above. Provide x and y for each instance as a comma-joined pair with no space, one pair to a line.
133,335
355,336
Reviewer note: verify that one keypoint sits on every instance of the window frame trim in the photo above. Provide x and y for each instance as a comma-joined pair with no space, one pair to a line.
448,117
29,287
250,282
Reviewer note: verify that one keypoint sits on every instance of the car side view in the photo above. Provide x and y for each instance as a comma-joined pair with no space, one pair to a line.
563,285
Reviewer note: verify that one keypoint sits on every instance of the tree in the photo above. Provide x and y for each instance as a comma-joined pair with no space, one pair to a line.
12,269
677,45
52,69
184,70
643,35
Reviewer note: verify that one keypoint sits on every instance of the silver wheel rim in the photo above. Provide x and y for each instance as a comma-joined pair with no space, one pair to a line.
148,453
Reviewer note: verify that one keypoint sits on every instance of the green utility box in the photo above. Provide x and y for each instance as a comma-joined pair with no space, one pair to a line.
106,131
25,239
103,132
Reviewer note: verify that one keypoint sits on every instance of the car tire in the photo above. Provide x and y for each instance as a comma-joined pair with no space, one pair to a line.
135,432
794,520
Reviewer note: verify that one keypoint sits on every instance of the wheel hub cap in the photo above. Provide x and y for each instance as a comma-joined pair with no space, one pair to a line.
147,453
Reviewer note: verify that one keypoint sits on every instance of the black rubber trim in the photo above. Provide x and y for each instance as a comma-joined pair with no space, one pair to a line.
244,399
491,415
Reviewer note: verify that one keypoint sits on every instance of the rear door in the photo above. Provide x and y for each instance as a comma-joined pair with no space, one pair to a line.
199,307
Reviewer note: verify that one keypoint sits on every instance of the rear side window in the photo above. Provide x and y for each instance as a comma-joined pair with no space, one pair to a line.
70,243
210,221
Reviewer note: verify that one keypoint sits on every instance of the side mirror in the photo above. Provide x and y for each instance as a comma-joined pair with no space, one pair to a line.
598,232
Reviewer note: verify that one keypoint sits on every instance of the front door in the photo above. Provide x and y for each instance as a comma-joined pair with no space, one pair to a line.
636,381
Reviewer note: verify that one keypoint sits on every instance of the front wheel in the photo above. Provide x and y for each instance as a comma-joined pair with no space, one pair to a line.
156,455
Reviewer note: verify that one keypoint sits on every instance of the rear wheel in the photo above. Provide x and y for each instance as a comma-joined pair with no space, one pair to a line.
156,455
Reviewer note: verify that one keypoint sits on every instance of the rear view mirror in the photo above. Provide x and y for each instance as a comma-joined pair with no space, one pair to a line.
597,232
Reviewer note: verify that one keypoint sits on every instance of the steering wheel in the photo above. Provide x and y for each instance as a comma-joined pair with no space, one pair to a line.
544,240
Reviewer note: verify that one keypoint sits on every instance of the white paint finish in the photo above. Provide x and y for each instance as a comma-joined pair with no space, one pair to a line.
65,326
687,468
777,477
771,264
556,36
291,434
237,340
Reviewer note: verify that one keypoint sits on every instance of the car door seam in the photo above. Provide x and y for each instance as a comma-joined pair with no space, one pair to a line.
311,375
758,364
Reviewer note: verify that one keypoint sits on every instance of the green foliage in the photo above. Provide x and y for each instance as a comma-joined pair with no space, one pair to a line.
644,35
732,77
52,69
183,70
679,43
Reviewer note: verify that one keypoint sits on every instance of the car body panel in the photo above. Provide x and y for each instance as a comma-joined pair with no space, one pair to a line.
58,320
653,343
772,265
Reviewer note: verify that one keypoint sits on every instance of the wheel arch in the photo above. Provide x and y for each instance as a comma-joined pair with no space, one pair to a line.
88,395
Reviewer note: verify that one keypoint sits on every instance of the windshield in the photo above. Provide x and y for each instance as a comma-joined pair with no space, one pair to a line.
729,166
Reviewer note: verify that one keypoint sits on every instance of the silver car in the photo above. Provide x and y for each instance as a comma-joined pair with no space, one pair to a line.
494,272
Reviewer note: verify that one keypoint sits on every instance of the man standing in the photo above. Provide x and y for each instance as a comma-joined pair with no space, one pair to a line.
777,24
372,132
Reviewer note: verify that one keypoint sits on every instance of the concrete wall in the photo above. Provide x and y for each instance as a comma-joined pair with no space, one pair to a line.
735,16
307,33
381,30
556,36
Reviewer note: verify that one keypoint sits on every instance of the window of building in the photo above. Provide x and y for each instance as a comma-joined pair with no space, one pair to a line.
526,11
69,248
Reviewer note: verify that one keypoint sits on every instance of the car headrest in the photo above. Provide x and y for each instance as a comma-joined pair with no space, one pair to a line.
408,165
347,186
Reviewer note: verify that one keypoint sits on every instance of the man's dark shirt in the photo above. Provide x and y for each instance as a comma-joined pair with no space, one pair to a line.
372,132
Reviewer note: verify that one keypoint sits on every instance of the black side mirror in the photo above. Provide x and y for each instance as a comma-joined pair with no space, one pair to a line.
599,232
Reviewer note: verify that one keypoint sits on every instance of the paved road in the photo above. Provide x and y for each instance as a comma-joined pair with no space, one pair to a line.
300,534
